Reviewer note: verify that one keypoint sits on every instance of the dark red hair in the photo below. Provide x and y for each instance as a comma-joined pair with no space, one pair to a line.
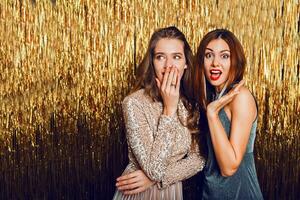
203,90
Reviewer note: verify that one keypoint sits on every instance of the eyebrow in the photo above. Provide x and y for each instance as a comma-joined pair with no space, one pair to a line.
220,51
175,53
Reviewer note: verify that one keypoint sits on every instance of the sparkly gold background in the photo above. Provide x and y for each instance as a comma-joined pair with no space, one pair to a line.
65,66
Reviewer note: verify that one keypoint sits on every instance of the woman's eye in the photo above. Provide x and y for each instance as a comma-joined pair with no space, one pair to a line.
208,55
225,56
159,57
177,57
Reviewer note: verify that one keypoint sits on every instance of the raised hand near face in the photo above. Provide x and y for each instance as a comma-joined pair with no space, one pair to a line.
169,90
214,107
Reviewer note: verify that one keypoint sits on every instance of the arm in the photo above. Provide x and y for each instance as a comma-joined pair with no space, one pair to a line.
137,181
134,182
167,124
150,152
184,168
230,152
190,164
178,171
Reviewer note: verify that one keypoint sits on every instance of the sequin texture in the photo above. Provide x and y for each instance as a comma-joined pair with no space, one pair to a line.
158,144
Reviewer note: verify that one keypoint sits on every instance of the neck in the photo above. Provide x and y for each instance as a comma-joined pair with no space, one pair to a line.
220,90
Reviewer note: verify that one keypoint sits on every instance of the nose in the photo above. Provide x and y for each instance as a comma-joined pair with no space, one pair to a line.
215,62
169,62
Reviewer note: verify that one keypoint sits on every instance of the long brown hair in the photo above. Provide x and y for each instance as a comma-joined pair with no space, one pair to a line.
203,90
146,73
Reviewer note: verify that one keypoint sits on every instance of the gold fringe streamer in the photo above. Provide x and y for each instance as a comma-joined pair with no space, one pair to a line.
68,64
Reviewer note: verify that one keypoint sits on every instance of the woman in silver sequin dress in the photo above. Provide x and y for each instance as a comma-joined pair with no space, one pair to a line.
160,122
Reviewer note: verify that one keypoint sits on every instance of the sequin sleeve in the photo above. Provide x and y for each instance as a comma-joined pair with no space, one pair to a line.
184,168
150,149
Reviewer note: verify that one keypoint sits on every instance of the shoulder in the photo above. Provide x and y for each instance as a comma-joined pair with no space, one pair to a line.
244,94
244,102
136,98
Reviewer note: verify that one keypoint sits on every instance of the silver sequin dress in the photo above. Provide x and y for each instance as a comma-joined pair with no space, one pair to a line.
159,145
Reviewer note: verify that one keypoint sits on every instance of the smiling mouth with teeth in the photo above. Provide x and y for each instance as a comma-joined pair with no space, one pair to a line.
215,74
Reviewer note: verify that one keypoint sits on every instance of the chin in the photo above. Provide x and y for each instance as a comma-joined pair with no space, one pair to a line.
216,84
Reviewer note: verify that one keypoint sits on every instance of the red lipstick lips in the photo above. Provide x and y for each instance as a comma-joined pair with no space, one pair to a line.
215,74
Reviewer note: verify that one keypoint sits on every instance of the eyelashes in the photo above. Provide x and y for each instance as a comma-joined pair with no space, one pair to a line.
162,57
209,55
225,56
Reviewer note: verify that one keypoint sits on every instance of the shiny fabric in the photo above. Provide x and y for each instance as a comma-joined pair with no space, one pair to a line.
173,192
243,185
160,145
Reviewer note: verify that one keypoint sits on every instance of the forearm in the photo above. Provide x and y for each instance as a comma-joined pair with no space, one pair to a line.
162,147
150,149
182,169
152,155
224,151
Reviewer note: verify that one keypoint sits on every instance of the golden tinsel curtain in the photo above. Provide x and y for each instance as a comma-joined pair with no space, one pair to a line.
65,66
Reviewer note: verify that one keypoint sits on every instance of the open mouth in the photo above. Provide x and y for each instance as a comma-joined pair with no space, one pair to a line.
215,74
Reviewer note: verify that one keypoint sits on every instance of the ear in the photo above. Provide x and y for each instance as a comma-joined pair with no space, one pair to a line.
185,66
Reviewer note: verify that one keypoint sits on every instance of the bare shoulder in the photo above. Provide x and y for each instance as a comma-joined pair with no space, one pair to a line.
244,102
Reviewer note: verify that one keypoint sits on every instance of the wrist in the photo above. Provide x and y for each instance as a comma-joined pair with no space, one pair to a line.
169,112
212,115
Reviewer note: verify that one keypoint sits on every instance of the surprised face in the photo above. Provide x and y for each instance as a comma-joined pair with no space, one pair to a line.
217,63
169,53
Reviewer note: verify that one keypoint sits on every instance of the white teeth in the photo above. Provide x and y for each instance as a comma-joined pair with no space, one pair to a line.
215,72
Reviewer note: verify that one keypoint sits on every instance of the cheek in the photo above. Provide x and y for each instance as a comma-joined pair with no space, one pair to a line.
158,70
226,63
181,69
157,67
226,66
206,68
206,73
207,63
